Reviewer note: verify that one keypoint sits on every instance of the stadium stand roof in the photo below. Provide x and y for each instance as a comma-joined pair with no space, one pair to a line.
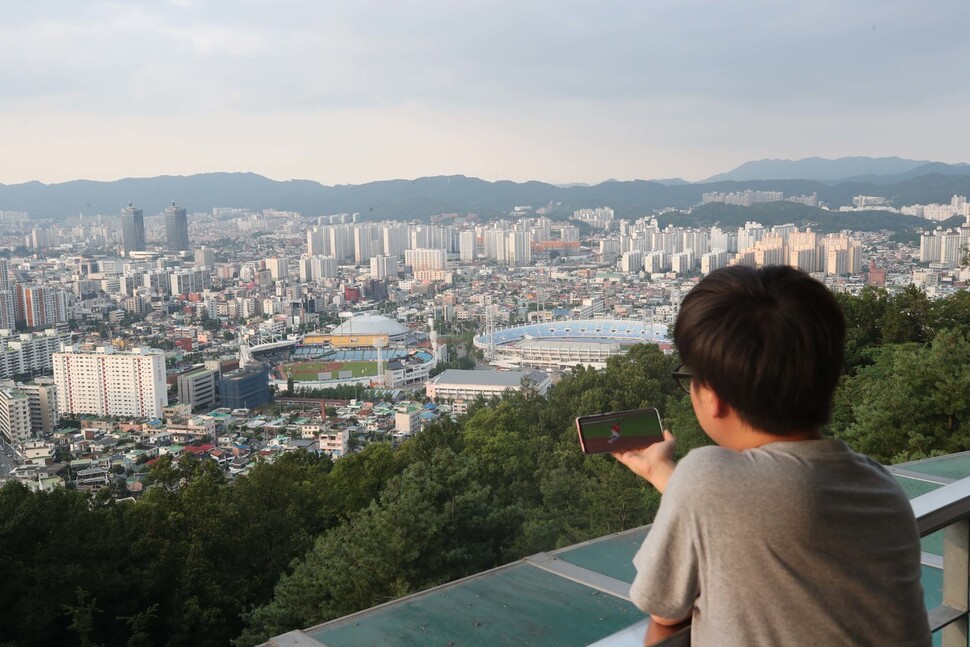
371,324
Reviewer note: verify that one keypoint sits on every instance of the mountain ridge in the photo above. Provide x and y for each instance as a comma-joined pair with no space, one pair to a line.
834,170
426,196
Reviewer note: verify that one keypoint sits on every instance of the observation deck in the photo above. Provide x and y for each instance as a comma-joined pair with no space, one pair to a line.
579,595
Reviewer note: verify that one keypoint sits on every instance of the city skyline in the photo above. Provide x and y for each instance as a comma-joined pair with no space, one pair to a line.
554,92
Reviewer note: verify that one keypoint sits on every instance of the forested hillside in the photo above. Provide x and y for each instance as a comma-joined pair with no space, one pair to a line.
202,562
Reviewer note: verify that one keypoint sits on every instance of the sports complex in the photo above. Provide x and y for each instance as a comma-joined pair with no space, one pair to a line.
366,349
564,344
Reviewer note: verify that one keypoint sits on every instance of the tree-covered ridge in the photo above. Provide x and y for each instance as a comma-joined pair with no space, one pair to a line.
304,540
427,196
779,213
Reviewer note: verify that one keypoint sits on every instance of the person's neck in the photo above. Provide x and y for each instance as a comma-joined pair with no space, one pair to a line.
750,438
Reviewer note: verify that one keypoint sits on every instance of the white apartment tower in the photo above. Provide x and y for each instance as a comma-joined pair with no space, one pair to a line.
569,233
341,242
315,241
713,260
382,267
205,257
278,267
803,250
107,382
631,261
842,255
396,239
466,246
42,397
368,241
14,415
426,259
520,248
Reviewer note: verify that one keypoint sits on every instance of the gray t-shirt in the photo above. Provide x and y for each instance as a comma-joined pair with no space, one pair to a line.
793,543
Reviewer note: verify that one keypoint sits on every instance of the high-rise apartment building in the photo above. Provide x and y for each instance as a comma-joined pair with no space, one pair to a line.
520,248
843,255
278,267
683,262
467,244
42,399
632,261
342,242
8,309
132,230
205,257
569,233
198,388
425,259
107,382
496,245
770,250
713,260
40,306
29,352
176,229
189,280
748,235
324,267
383,266
14,415
803,250
656,262
316,242
396,239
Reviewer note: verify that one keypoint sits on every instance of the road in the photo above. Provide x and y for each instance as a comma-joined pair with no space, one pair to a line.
7,460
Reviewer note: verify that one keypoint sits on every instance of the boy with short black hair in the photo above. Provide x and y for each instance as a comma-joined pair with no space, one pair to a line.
778,536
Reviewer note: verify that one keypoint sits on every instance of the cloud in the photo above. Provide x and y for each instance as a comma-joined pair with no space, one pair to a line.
606,88
301,56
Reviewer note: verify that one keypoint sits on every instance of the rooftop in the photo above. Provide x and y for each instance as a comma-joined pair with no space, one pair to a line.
490,378
371,324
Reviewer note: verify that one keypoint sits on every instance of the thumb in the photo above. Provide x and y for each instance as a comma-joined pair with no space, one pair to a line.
668,435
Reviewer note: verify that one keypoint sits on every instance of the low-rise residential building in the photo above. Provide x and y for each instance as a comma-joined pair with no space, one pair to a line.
334,442
407,418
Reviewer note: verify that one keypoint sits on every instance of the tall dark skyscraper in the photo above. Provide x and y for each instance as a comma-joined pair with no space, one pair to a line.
132,230
176,229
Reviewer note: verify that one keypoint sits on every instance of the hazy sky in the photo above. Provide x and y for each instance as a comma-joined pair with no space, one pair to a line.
560,91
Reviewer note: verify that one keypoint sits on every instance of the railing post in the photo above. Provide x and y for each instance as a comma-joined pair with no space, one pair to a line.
956,580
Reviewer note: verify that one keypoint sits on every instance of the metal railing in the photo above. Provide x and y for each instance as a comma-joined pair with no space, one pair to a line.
946,509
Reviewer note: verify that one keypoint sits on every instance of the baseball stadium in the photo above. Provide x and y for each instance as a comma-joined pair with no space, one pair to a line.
366,349
558,345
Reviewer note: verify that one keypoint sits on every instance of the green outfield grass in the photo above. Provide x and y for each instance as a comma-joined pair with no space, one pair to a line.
310,371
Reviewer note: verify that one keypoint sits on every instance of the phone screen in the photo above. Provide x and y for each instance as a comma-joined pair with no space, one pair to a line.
619,431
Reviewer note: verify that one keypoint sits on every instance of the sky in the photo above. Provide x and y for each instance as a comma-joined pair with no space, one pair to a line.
559,91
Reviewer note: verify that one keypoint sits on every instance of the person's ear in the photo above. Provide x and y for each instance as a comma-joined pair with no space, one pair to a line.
716,407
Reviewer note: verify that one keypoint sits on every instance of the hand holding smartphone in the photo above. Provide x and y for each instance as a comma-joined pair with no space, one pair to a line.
619,431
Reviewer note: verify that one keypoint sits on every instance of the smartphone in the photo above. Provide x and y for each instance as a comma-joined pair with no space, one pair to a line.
619,430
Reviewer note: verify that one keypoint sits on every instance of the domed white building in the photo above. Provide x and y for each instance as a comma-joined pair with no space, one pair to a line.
371,323
364,330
